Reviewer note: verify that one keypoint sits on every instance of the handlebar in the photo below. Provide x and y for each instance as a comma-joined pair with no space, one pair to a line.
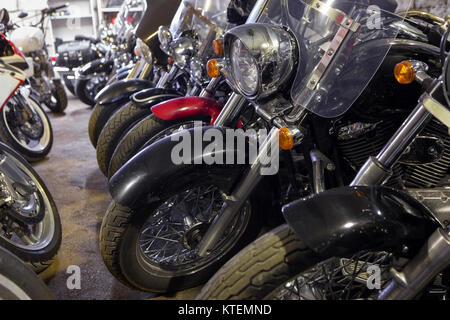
54,9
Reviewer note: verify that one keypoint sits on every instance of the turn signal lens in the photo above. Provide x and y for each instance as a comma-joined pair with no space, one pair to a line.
218,47
285,139
137,52
404,72
170,61
213,68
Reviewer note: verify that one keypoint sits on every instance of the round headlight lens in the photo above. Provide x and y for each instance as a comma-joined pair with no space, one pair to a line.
244,69
164,37
182,50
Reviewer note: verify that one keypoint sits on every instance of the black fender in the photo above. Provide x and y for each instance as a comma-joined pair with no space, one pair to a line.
148,96
121,90
99,65
347,220
152,171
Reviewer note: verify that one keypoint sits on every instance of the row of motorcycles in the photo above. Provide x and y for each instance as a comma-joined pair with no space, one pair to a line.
87,64
30,226
351,98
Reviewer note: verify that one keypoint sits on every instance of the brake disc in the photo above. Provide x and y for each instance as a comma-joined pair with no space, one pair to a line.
31,210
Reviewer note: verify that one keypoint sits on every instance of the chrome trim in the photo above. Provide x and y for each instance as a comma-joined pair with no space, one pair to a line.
273,50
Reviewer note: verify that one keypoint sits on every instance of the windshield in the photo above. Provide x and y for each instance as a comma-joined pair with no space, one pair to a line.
341,46
201,16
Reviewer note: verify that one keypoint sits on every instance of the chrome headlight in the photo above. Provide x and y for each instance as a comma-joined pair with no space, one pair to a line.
196,69
182,50
165,38
144,51
259,59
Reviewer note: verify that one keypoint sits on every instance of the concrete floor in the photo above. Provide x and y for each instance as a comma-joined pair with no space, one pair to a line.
80,192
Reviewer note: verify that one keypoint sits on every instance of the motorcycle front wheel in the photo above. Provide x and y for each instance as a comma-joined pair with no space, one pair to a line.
58,100
87,89
30,226
18,281
153,247
25,127
278,266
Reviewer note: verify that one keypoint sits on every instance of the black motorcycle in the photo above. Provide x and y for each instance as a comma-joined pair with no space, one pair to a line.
322,88
74,54
383,236
120,42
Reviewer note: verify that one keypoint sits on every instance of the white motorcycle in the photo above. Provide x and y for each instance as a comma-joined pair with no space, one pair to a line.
24,125
41,78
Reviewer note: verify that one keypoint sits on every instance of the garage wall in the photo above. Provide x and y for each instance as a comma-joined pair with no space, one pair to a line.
438,7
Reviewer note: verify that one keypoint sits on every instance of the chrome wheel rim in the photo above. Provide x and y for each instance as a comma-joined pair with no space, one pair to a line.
336,279
29,237
167,239
17,132
95,84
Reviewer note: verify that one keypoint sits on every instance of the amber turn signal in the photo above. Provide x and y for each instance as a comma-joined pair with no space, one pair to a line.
170,61
285,139
137,52
218,47
404,72
213,68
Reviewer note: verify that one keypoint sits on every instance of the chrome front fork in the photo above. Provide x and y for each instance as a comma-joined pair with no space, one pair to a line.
230,111
167,76
435,254
210,88
239,196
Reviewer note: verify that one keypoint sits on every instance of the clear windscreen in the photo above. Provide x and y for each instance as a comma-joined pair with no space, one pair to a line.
209,15
336,60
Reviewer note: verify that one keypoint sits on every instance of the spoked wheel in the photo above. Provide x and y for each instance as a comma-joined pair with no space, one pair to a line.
338,279
153,248
87,89
26,128
168,238
279,266
30,226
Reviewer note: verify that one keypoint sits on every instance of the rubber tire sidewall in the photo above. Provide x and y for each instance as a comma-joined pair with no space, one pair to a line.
261,267
59,92
99,117
23,276
69,85
115,129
